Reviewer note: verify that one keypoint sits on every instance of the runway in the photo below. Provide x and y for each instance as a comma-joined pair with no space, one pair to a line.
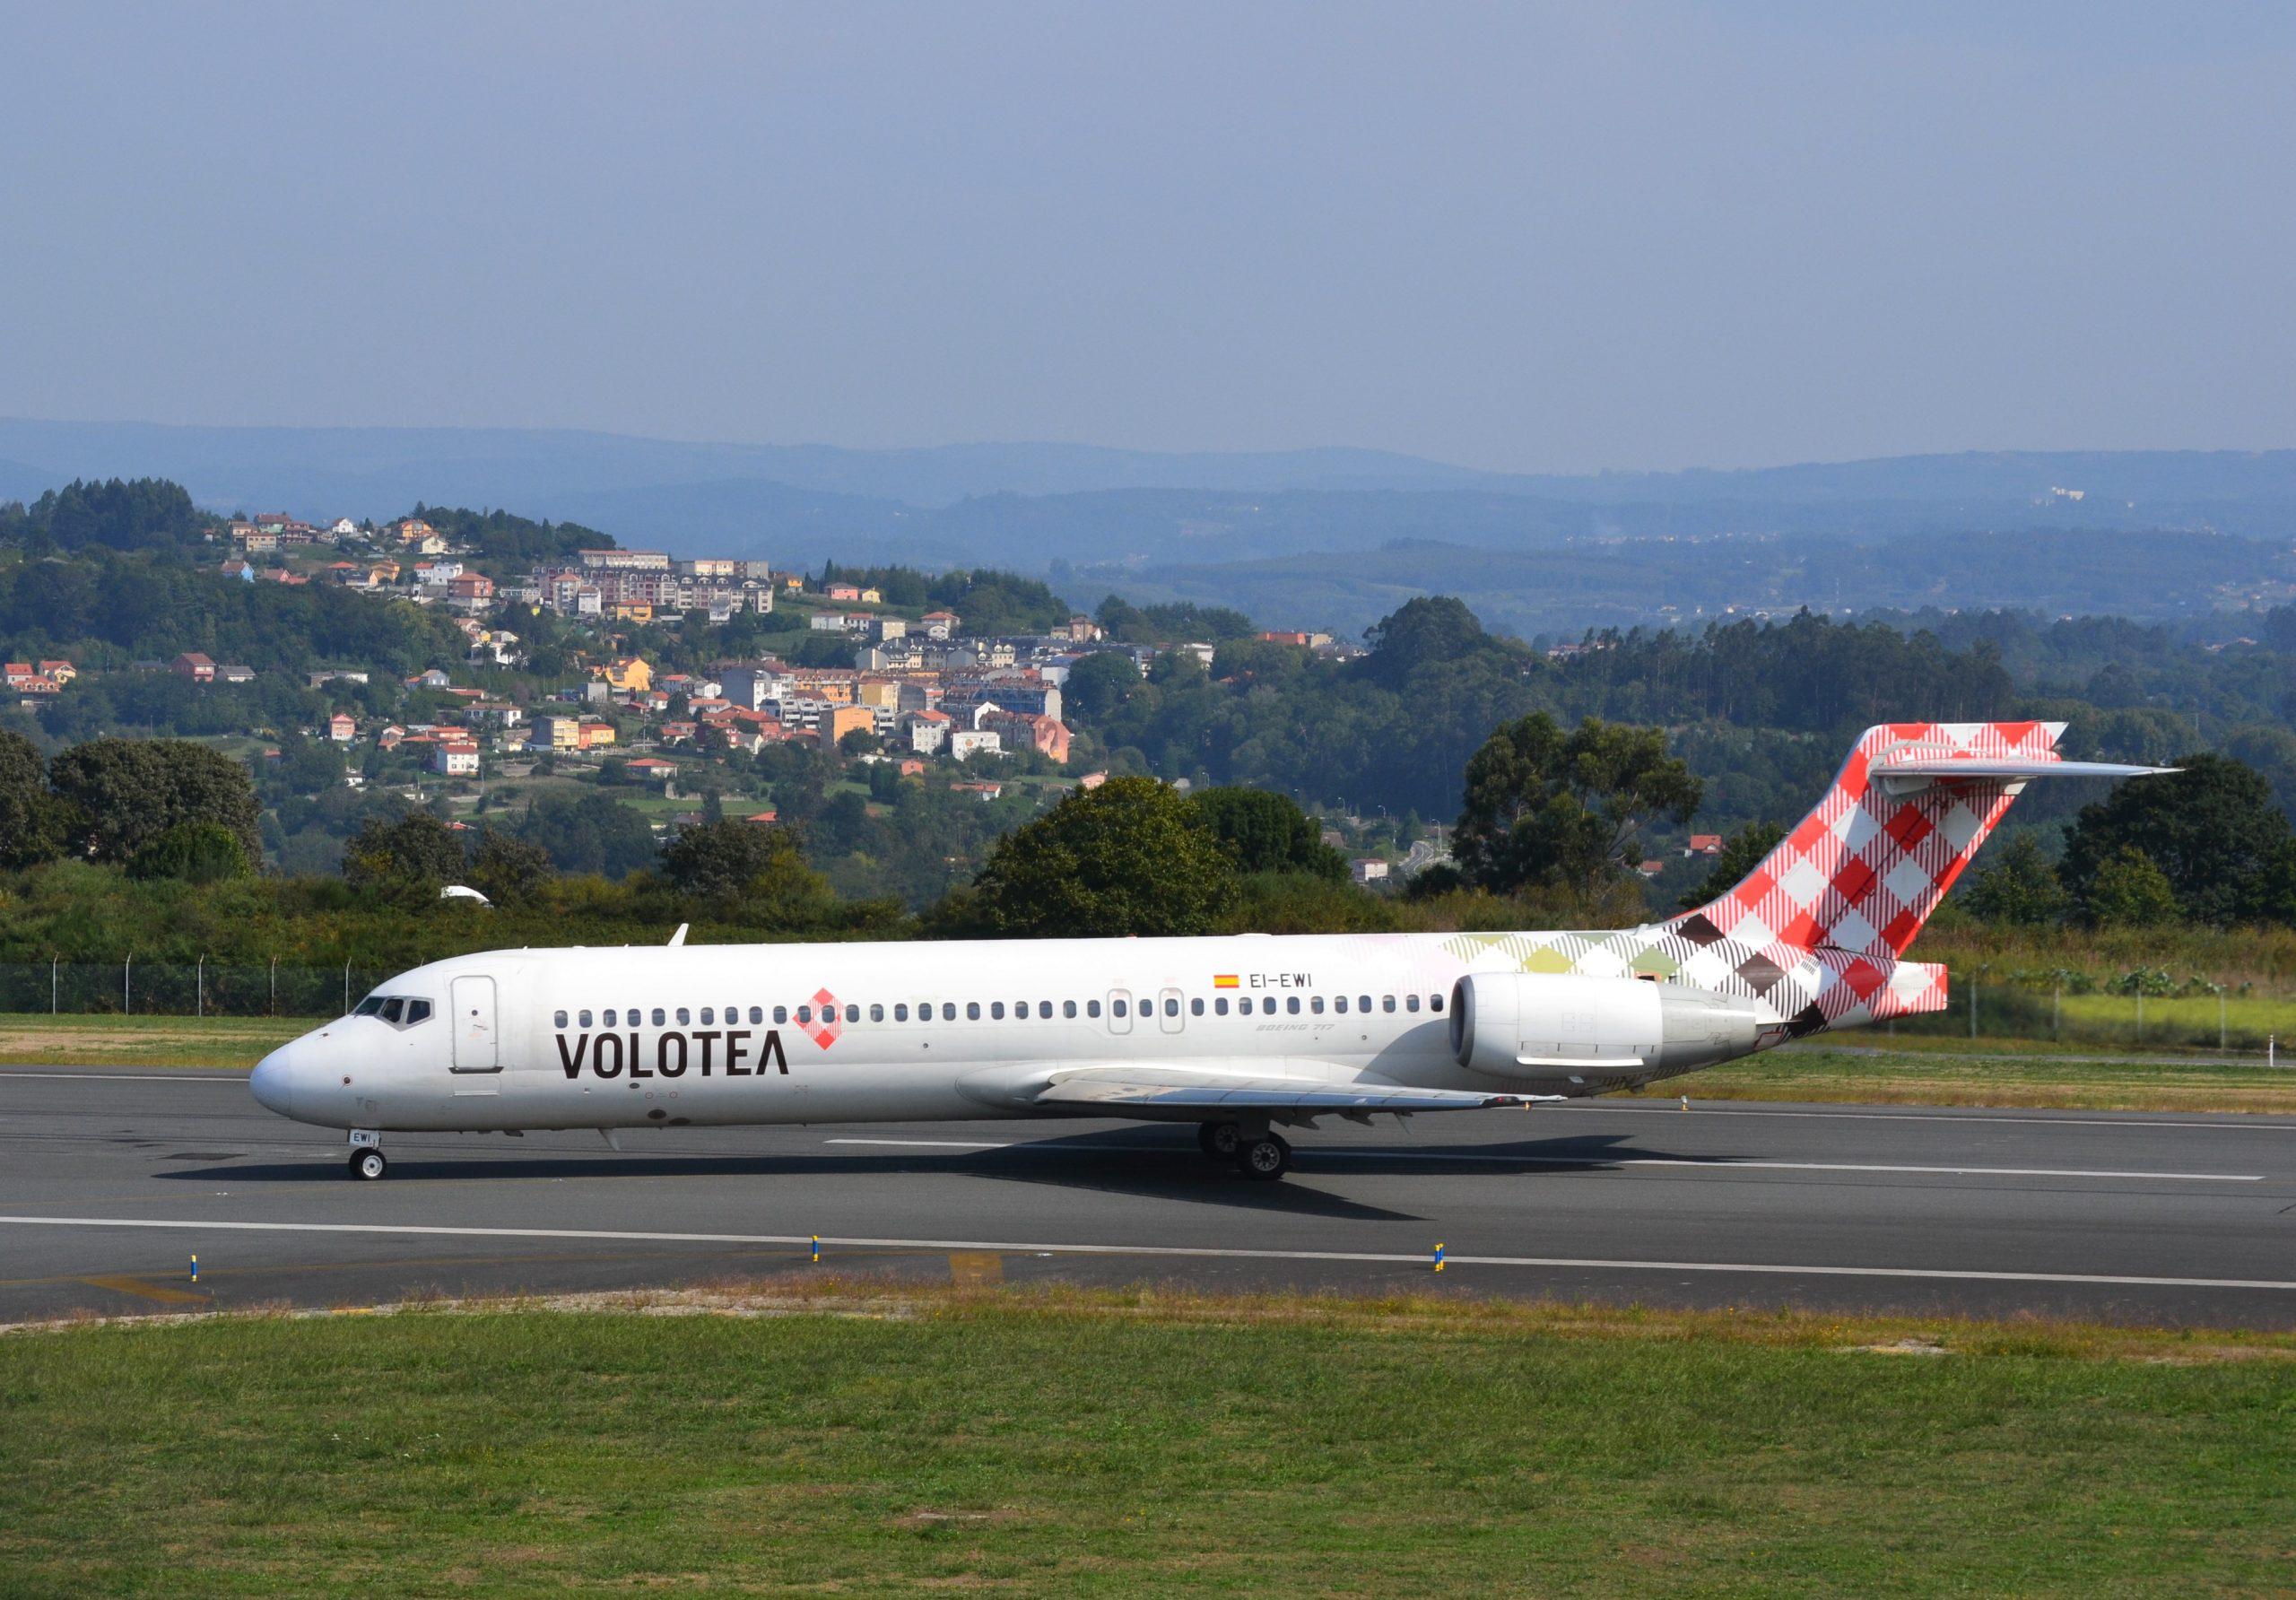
111,1181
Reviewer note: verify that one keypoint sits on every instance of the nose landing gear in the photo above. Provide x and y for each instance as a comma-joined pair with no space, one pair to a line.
367,1160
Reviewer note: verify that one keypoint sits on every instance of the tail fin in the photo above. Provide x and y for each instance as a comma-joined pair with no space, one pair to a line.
1862,871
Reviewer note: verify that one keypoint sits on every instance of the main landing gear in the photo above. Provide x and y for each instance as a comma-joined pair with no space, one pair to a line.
366,1163
1261,1156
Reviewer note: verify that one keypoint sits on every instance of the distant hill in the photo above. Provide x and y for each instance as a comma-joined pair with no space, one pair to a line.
1328,535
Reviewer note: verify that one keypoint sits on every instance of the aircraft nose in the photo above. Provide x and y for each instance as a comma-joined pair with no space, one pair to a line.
273,1080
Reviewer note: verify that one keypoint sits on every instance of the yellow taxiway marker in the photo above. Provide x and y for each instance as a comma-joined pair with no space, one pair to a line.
144,1290
970,1268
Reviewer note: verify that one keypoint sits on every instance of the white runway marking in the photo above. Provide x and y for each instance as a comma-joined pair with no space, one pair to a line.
2263,1122
1193,1252
931,1144
1718,1164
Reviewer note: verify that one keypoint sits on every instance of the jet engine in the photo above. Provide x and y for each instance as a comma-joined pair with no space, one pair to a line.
1595,1031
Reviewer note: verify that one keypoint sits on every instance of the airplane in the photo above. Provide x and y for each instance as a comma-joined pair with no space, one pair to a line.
1239,1034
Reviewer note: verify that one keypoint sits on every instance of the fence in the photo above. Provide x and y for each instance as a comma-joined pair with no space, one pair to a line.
2221,1023
184,990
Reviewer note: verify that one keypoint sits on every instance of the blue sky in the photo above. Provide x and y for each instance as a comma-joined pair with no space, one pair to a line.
1635,235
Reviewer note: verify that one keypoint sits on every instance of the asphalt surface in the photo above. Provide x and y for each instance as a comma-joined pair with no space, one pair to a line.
111,1181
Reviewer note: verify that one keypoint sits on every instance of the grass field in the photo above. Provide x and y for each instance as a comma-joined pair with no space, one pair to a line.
1107,1445
144,1041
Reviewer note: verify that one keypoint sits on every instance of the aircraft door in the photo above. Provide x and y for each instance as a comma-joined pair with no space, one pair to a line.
475,1048
1119,1011
1170,1010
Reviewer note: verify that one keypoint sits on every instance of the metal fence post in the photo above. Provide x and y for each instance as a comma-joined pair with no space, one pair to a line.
271,1003
1972,1010
2056,1013
346,989
128,986
199,988
52,961
2223,1032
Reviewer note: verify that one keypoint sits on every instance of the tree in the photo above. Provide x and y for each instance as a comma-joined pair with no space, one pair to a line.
1268,832
753,865
125,792
2017,886
2127,890
509,870
2211,830
1129,857
1547,809
413,855
1098,684
1434,629
596,833
31,823
860,740
193,853
1742,852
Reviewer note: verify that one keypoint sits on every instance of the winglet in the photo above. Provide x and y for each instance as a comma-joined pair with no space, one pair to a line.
677,940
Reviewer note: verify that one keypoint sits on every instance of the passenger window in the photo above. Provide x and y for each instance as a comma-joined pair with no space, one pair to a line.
417,1010
876,1013
1292,1004
1117,1008
1092,1008
1220,1006
804,1013
1171,1006
948,1011
757,1013
557,1018
1364,1004
1411,1003
1068,1008
1339,1004
586,1019
1386,1003
608,1019
780,1015
852,1013
901,1011
1044,1011
1316,1004
657,1016
996,1010
684,1016
1196,1008
1434,1002
973,1010
705,1015
392,1008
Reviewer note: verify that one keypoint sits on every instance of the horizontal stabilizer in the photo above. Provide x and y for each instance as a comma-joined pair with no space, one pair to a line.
1900,773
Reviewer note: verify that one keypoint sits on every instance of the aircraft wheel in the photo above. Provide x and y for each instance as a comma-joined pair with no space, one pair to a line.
1265,1159
368,1164
1219,1140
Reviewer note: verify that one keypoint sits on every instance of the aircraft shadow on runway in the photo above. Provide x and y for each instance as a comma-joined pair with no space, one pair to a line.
1143,1162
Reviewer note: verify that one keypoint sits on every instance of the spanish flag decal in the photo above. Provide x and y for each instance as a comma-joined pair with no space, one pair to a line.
1224,980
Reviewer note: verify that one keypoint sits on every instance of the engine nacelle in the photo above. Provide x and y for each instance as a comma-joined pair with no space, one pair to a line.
1519,1026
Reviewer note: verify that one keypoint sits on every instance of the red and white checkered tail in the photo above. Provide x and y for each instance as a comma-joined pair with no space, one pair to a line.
1914,801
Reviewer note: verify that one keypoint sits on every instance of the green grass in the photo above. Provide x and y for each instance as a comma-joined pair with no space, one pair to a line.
1096,1446
1991,1073
144,1041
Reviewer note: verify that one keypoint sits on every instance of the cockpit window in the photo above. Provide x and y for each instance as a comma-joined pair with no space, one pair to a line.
398,1010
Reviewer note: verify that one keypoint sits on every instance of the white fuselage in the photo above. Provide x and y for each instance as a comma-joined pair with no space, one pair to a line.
743,1034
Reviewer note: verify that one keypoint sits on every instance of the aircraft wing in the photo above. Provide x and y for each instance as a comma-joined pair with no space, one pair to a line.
1190,1093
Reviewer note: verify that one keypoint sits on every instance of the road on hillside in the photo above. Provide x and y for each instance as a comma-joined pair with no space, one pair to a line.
112,1181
